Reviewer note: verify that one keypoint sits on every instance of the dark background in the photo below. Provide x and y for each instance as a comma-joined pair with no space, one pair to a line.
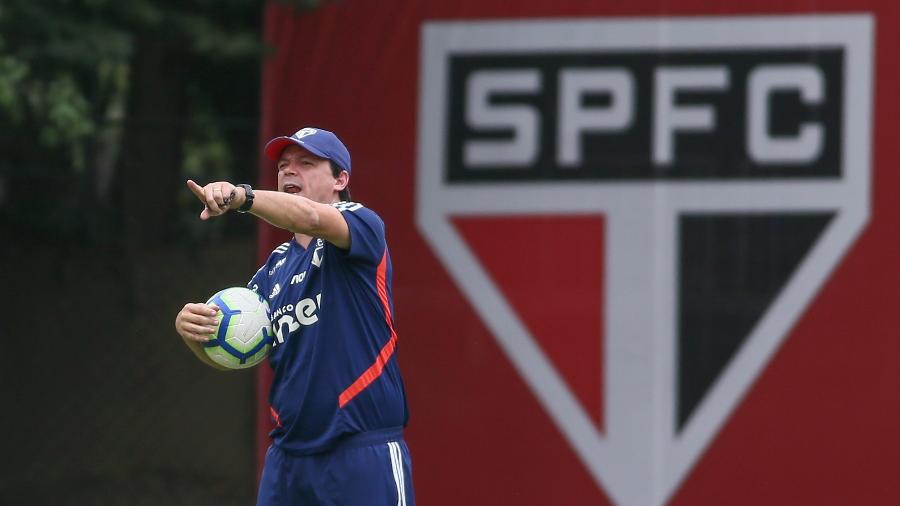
106,108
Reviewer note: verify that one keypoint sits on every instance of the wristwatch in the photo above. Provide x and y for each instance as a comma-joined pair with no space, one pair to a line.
248,199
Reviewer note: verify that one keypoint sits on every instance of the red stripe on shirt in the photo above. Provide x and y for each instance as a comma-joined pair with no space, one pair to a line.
375,370
275,416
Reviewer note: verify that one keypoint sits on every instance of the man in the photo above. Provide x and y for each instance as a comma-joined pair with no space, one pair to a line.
337,398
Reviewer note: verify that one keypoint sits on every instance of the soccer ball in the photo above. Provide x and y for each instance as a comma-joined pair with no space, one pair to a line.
243,334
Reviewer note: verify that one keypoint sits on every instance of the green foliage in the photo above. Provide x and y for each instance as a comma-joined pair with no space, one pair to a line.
52,57
67,97
66,115
61,62
12,72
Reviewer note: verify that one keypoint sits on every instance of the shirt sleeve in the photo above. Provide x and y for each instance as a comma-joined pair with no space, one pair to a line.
258,282
367,241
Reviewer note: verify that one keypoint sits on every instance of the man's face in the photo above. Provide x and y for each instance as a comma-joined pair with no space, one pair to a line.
303,173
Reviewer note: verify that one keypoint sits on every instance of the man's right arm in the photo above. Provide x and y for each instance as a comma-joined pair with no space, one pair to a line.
194,323
294,213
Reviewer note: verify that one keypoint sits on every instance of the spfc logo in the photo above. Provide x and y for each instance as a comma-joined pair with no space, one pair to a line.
726,161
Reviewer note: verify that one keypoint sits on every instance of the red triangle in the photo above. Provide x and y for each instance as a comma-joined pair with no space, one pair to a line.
550,269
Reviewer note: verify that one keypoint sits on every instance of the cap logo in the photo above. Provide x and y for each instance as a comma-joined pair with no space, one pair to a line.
304,132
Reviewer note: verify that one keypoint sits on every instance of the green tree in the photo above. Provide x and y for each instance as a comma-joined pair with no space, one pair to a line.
106,105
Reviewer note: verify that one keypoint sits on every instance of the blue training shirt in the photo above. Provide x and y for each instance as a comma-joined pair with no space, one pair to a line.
335,370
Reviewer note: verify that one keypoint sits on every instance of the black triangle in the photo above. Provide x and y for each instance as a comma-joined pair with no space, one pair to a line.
731,269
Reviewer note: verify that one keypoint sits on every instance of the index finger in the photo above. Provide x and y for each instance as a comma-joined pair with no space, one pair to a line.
197,190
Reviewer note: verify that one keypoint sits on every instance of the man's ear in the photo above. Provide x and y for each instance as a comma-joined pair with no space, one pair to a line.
342,180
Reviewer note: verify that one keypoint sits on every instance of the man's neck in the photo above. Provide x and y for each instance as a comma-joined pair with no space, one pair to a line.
303,240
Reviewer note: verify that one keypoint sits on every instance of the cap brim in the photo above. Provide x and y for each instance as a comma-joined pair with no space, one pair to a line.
275,146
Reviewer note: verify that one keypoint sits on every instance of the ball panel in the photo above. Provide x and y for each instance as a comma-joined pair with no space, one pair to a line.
244,334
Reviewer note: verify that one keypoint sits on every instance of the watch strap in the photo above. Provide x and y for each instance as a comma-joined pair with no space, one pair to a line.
248,199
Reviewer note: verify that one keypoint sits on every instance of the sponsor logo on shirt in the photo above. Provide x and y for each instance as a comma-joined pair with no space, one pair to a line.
318,256
277,265
291,317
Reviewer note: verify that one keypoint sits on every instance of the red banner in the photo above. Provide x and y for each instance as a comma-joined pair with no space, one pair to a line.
642,253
